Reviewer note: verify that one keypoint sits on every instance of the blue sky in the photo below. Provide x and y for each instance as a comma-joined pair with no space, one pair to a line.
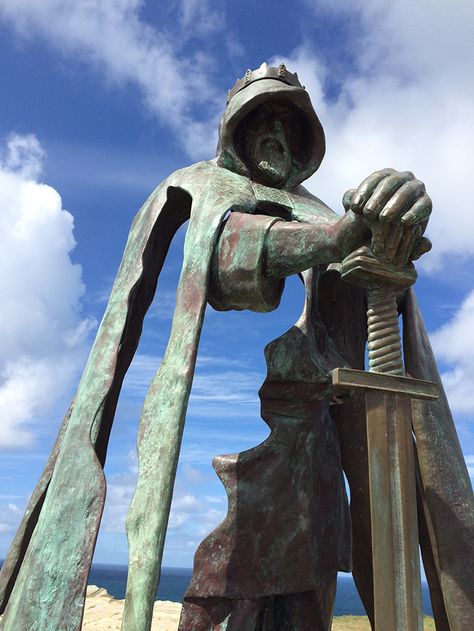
100,101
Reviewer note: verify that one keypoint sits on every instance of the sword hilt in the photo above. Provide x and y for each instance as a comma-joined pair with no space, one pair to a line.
382,279
385,350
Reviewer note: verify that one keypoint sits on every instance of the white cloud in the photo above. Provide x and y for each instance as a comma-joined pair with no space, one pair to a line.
201,17
42,330
226,387
120,489
24,156
454,345
190,514
10,518
112,36
407,104
218,380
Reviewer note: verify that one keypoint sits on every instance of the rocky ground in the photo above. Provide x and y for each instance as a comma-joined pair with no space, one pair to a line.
104,613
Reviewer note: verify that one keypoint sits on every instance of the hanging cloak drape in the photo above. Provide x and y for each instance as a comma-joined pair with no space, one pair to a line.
44,577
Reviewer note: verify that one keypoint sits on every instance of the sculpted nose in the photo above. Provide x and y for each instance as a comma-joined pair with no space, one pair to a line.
278,126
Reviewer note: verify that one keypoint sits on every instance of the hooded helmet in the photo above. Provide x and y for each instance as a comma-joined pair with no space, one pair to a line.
271,86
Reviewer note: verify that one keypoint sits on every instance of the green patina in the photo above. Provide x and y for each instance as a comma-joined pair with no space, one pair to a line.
277,229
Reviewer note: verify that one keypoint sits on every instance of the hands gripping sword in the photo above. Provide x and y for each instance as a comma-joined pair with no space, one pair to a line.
388,394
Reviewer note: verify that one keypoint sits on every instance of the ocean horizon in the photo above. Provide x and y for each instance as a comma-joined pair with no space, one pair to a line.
174,582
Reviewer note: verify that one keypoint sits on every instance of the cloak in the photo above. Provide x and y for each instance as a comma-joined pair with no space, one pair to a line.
44,577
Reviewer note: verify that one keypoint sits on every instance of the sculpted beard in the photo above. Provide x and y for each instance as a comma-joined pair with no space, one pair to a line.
271,154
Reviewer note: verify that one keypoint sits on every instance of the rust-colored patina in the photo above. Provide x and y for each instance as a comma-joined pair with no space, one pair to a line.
392,478
272,564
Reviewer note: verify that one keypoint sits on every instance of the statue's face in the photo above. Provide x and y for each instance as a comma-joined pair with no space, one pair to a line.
270,154
265,144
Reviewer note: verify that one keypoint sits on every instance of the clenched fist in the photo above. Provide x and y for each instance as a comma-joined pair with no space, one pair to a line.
396,208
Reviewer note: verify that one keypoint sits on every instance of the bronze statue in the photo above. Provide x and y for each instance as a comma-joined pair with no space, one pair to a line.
272,563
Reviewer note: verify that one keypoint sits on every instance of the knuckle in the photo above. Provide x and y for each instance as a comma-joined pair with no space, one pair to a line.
377,176
390,180
415,185
347,197
423,205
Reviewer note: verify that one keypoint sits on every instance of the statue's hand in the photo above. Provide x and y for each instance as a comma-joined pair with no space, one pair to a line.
396,208
390,195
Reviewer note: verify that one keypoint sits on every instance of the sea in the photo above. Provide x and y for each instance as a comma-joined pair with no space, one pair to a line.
174,582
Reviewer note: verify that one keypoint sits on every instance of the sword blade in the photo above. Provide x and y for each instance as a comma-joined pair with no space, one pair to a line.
396,561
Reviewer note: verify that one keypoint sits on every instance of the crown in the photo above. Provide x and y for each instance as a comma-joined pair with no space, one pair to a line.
265,72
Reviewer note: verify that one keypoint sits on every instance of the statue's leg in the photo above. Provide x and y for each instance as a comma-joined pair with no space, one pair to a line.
286,530
246,615
306,611
222,614
195,616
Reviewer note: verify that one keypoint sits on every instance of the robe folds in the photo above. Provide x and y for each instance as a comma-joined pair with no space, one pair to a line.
44,577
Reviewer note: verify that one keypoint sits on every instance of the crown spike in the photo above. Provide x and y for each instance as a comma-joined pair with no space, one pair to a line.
265,71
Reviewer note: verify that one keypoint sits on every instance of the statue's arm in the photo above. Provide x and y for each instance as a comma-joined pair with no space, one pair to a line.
254,253
293,247
388,211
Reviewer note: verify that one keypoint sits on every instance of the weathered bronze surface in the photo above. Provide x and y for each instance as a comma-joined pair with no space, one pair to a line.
413,388
272,563
393,504
392,486
396,564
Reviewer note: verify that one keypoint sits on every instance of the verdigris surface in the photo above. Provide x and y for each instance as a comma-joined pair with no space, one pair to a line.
272,563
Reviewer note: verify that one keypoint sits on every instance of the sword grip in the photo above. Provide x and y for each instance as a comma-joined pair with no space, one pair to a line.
385,350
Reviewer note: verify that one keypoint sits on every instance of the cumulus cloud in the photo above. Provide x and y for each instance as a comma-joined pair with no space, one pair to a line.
42,329
191,515
454,345
10,517
112,36
405,103
201,17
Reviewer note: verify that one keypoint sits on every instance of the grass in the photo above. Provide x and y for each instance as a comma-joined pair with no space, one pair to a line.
361,623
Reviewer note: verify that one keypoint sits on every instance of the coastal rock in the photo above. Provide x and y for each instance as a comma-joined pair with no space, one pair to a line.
104,613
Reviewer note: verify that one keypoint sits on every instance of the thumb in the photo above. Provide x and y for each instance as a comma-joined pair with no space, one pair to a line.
347,198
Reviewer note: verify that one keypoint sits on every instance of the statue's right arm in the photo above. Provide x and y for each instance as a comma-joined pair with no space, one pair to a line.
254,253
293,247
384,198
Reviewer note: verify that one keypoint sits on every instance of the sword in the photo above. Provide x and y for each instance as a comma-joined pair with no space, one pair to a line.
388,394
